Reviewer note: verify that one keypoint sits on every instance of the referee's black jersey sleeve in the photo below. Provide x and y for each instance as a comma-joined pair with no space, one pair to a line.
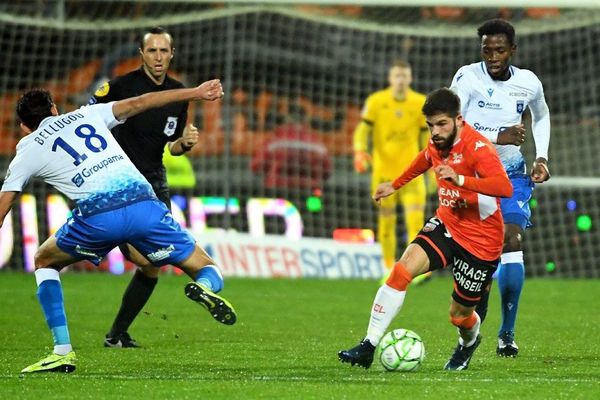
144,136
107,92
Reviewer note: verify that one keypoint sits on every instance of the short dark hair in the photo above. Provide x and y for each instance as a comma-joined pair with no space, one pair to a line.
400,63
497,26
34,106
157,30
442,101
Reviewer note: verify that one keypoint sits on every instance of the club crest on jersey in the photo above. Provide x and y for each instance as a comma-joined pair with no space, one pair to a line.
399,114
456,158
490,92
520,106
170,126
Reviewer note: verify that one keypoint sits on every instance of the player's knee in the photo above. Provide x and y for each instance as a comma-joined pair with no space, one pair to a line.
40,259
387,215
387,218
400,278
512,242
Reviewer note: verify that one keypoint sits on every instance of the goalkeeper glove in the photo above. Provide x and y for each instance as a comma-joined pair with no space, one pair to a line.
362,161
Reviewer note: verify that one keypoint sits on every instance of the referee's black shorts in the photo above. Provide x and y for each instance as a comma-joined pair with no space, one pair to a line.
158,180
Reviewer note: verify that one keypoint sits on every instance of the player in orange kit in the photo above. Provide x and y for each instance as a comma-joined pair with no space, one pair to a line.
467,231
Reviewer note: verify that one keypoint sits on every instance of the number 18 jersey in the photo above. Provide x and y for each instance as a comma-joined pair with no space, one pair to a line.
77,154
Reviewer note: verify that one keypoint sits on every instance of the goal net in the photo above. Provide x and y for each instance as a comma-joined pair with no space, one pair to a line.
310,67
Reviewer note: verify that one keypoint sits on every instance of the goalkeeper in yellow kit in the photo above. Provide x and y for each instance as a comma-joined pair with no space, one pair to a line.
398,128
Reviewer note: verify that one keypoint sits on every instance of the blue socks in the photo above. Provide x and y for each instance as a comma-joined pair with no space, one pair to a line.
510,283
210,277
50,296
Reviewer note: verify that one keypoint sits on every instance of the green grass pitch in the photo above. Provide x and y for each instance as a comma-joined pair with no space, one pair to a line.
285,343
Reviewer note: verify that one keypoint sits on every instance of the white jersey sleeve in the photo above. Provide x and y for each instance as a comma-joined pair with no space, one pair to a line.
540,122
105,112
462,88
19,171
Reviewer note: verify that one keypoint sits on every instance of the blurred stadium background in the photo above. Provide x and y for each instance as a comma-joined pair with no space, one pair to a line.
316,63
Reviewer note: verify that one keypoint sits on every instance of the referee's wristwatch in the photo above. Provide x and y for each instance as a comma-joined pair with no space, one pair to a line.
186,148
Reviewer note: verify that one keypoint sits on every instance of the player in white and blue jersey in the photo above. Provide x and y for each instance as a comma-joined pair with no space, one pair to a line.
494,95
77,154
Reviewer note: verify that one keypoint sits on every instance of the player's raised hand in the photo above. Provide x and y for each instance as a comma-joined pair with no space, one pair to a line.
447,173
383,190
190,136
540,172
512,135
210,90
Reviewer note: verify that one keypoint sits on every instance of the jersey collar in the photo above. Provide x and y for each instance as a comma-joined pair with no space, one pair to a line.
147,78
511,71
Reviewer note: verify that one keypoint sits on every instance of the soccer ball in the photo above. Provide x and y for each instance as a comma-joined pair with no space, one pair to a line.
401,350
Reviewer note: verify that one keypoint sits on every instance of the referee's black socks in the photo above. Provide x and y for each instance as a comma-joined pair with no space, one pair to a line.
134,299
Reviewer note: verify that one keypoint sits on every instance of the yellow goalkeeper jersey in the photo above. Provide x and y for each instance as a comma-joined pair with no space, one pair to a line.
396,130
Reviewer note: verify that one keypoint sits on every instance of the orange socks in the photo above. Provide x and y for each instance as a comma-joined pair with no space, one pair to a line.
400,278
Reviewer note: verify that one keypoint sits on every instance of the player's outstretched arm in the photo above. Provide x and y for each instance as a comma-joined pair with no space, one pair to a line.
209,90
418,166
7,200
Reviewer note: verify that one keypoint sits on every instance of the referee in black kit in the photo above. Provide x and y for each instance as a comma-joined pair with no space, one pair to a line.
143,138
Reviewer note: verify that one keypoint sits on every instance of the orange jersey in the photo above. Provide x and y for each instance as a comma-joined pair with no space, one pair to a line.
470,212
